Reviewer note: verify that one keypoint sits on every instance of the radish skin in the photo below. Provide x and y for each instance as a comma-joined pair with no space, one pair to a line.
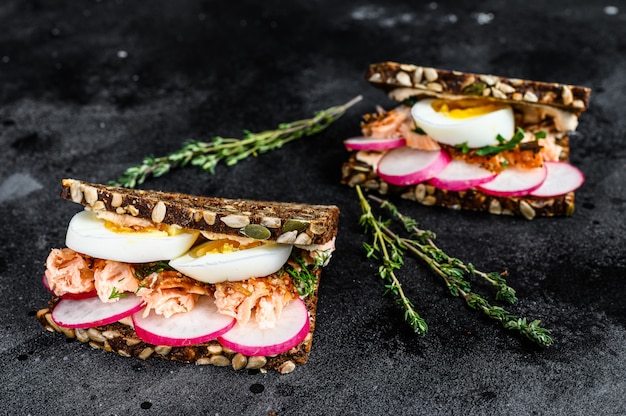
515,182
290,330
368,143
459,175
201,324
86,313
407,166
561,179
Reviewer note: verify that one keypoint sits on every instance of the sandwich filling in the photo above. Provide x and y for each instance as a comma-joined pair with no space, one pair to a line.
100,259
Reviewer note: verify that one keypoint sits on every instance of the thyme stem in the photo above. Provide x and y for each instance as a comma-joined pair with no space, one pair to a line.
452,270
392,260
207,155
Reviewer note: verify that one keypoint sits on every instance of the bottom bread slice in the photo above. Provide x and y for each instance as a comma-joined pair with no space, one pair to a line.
355,173
122,339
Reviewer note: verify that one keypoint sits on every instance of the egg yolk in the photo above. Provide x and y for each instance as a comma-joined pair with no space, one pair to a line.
164,231
461,109
220,247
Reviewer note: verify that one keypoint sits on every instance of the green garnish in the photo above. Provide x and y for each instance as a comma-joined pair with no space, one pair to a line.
389,247
303,278
507,144
207,155
419,130
116,295
143,270
463,147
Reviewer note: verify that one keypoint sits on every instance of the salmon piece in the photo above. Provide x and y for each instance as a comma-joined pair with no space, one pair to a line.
417,140
113,277
384,124
260,297
169,292
68,272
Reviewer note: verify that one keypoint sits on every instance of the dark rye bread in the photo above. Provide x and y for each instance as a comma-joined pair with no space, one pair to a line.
120,338
535,98
290,223
355,172
440,82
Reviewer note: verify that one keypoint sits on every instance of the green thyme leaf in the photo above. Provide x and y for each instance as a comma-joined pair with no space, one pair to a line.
116,295
389,248
208,155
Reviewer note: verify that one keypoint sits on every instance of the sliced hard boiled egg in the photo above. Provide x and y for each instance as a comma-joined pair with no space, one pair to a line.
90,235
475,123
225,260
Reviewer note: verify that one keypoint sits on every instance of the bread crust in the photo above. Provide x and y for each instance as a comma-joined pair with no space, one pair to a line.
435,82
122,339
290,223
355,172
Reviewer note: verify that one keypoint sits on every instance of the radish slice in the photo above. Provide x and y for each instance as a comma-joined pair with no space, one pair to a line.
75,296
291,328
459,175
368,143
203,323
85,313
407,166
562,178
515,182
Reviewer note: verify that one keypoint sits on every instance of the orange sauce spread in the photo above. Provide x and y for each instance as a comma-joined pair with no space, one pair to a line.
221,246
466,108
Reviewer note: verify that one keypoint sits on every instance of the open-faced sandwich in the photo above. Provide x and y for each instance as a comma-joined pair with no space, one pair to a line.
194,279
469,141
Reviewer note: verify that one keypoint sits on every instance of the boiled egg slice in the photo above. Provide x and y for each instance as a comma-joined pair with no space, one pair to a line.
94,237
458,122
228,260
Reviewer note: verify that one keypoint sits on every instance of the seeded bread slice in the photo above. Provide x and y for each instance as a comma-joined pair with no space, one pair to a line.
283,222
355,172
122,339
439,82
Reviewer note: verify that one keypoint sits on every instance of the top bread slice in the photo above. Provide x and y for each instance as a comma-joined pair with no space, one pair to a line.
282,222
390,76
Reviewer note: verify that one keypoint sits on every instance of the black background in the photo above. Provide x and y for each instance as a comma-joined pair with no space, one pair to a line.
88,89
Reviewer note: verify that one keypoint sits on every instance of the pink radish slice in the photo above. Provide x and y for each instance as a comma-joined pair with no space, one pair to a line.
291,328
75,296
407,166
562,178
203,323
368,143
515,182
459,175
85,313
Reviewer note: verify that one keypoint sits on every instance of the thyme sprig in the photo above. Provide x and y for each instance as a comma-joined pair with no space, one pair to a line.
453,271
301,274
387,249
207,155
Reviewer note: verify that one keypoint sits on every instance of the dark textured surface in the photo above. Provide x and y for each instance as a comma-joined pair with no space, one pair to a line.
90,88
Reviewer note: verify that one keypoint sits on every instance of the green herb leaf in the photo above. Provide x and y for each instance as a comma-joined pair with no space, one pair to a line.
116,295
302,276
391,247
207,155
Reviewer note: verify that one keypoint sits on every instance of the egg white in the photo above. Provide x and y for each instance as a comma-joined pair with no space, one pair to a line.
89,235
234,266
477,131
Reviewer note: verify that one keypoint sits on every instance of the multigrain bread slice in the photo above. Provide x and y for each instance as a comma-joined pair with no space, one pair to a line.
291,223
311,229
393,78
537,105
122,339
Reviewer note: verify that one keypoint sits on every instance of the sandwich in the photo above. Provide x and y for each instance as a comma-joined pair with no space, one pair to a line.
469,141
194,279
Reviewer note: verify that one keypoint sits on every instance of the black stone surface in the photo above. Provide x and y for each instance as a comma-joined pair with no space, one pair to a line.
88,89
